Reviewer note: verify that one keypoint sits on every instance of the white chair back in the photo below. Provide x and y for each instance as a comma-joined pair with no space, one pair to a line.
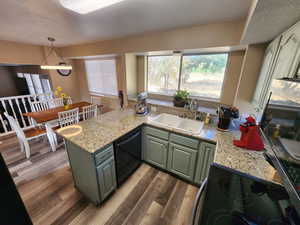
39,106
95,100
15,127
56,102
24,145
68,117
89,112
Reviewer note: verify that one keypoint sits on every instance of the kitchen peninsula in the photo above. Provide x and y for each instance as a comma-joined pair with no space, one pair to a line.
90,146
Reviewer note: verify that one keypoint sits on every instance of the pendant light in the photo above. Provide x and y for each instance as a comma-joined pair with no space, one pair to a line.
61,66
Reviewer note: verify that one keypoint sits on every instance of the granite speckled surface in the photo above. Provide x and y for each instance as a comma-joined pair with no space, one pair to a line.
92,135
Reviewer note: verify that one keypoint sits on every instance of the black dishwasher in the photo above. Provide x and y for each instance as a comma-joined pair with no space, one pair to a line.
128,154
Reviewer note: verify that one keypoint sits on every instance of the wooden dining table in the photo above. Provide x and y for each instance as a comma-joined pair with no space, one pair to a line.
52,114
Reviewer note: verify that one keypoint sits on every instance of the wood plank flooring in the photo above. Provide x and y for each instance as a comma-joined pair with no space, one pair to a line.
41,162
148,197
45,183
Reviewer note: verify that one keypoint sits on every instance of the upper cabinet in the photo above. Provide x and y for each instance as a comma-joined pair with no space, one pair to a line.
265,77
287,59
281,60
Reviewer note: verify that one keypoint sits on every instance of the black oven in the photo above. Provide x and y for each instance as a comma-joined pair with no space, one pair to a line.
128,154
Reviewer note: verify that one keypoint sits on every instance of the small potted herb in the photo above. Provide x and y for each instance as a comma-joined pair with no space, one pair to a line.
181,98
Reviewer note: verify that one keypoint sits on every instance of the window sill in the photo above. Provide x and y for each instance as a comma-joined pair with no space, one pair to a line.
169,97
170,104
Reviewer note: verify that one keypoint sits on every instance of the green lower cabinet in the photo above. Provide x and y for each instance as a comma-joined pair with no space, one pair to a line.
107,177
205,159
156,151
181,161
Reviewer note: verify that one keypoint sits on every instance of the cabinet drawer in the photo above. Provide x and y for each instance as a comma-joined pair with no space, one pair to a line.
157,132
181,140
104,154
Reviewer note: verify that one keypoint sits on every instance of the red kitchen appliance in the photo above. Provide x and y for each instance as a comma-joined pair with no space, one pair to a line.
250,138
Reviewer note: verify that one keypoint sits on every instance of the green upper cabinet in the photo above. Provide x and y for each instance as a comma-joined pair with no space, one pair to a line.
287,59
107,177
205,159
265,77
182,160
282,59
155,151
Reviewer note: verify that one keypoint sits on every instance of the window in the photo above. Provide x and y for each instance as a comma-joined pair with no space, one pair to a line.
201,75
163,74
36,83
285,93
102,76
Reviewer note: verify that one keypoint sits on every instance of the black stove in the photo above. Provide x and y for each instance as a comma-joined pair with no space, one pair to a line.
228,197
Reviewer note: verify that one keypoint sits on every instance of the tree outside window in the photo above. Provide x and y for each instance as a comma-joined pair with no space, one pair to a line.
201,75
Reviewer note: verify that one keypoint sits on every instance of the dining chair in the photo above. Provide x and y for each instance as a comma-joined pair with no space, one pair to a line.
24,136
56,102
39,106
89,112
52,137
95,100
68,117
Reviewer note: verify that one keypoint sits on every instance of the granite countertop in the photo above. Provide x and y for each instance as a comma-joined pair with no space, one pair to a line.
92,135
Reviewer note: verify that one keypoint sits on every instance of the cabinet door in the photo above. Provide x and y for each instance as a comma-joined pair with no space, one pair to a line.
287,59
156,151
265,76
107,177
205,159
181,161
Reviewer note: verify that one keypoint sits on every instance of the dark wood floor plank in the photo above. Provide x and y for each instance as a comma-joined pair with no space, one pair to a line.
125,208
140,209
36,205
72,212
172,208
165,193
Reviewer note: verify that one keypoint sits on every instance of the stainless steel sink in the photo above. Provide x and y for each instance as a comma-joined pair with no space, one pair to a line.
172,121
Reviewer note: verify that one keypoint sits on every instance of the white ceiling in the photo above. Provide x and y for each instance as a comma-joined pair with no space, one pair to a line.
269,19
32,21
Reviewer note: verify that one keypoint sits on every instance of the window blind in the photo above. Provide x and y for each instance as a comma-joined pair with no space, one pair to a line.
102,76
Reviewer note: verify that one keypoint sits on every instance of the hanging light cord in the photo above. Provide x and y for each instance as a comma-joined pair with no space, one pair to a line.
52,49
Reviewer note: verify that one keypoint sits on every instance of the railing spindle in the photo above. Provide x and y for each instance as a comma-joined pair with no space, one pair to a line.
3,124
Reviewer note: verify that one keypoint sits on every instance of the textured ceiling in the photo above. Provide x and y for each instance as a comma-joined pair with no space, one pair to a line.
32,21
269,19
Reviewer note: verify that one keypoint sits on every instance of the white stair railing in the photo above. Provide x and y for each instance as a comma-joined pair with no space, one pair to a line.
16,106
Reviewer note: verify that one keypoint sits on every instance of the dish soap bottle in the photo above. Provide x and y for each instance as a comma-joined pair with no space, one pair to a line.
276,132
207,119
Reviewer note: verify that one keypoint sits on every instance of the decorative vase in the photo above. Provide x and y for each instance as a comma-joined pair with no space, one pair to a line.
66,106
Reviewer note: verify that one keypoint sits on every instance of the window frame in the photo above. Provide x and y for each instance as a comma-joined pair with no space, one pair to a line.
180,75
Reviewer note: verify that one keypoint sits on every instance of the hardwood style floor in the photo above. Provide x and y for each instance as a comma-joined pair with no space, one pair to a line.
45,183
41,162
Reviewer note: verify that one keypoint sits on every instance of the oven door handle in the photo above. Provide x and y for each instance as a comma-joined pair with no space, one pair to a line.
197,202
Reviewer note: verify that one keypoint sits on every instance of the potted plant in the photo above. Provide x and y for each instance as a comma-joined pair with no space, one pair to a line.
181,98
